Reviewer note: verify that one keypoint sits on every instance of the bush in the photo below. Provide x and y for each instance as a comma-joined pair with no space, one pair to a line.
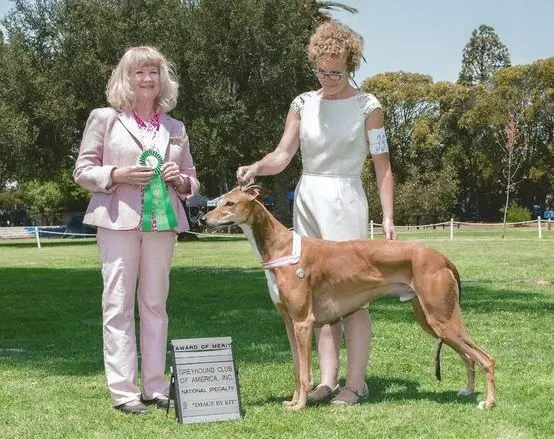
422,199
517,213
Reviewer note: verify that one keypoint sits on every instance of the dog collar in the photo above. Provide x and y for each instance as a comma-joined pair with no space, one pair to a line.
286,260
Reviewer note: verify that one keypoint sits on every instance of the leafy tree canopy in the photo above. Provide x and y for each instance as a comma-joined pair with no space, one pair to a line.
483,55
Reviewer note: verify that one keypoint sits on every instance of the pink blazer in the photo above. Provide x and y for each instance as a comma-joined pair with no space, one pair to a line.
111,139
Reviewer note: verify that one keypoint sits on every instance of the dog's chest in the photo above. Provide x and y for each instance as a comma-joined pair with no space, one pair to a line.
272,287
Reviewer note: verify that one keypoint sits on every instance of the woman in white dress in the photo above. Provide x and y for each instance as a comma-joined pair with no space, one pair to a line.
336,128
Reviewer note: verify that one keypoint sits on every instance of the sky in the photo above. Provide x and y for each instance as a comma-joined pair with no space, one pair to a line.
429,36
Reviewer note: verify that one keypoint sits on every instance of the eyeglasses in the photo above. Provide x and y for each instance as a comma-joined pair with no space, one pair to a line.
333,76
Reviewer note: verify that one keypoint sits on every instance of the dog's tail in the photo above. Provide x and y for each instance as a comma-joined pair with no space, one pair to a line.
438,347
438,359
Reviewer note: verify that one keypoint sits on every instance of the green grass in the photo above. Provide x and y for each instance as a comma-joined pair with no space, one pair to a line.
51,371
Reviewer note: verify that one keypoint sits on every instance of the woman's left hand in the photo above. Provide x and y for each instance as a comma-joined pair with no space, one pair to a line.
171,173
388,229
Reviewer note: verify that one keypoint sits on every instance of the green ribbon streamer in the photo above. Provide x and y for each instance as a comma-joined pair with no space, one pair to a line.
156,198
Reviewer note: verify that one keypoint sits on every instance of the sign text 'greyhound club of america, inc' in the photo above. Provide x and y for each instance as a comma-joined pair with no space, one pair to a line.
206,380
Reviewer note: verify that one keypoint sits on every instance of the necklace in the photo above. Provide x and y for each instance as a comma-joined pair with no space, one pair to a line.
148,129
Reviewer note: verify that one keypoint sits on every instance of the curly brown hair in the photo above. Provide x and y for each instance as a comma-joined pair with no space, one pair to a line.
334,39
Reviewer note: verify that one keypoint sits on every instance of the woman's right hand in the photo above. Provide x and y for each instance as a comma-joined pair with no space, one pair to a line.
135,175
277,160
246,174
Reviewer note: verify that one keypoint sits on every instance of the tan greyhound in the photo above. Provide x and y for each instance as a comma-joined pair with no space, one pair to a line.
314,281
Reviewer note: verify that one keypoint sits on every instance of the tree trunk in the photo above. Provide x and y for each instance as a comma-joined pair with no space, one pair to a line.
508,184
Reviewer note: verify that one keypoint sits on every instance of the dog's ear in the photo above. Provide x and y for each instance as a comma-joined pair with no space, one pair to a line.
252,191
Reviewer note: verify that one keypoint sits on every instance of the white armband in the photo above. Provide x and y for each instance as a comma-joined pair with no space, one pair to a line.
377,141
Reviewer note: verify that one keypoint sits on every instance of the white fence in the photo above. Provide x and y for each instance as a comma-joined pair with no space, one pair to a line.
452,226
539,225
38,232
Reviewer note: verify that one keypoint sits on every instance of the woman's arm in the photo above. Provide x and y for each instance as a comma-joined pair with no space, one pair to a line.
90,171
181,174
279,158
384,176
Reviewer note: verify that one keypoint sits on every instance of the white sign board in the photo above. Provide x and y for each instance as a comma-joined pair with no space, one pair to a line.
205,379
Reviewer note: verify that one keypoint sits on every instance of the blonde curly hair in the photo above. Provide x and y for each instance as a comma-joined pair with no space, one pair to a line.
334,39
119,90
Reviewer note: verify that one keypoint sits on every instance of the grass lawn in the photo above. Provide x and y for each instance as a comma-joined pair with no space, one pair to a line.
52,381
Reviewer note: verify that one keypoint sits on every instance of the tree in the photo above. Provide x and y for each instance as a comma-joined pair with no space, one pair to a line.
483,55
241,76
13,211
59,55
517,99
17,94
463,146
46,201
514,150
540,131
405,100
507,115
240,64
425,184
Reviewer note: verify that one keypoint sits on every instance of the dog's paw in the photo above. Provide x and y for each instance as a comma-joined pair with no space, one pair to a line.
483,405
295,407
294,404
465,392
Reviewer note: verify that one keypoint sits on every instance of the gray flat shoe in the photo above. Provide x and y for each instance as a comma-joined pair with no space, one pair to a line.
161,403
349,396
321,394
133,408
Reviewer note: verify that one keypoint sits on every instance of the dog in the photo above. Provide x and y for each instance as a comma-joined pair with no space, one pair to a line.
314,281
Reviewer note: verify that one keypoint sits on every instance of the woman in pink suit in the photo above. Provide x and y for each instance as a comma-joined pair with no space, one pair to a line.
136,245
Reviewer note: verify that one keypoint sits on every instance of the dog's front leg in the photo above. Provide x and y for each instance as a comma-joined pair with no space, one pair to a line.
303,340
293,349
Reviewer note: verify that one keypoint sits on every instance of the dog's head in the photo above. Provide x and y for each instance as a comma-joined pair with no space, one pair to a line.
234,208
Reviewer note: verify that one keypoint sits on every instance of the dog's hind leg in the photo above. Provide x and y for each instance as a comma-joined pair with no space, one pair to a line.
455,336
470,371
420,317
470,365
439,304
471,353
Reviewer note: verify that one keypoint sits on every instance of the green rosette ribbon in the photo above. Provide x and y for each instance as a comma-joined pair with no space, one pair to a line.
156,198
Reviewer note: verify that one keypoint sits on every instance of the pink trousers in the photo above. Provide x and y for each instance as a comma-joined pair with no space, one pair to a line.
135,263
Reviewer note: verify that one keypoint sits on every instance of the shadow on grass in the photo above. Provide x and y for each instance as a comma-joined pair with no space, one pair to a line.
51,318
383,389
220,238
78,241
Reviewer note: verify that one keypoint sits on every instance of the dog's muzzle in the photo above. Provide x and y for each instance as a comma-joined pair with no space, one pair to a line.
206,222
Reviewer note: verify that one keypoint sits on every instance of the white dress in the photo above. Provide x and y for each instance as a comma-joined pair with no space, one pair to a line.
330,202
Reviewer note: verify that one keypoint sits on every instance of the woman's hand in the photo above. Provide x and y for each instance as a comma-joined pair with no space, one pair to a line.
134,175
246,174
388,229
279,158
171,173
